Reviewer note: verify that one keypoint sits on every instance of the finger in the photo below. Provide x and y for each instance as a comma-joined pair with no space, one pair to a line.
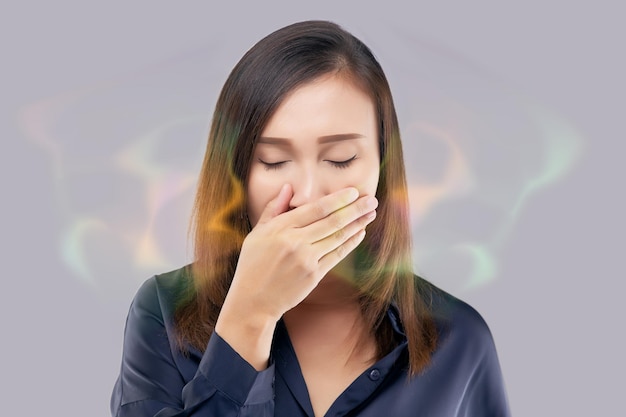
331,259
277,205
335,222
333,241
317,210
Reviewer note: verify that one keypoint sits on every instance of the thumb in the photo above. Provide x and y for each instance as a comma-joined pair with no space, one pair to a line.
277,205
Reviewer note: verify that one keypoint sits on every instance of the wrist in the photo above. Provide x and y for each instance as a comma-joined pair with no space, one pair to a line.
249,334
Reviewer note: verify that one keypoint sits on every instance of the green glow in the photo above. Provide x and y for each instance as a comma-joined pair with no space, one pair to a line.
484,264
563,148
72,247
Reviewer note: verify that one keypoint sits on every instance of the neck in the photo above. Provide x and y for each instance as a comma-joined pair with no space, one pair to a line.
332,310
336,291
329,323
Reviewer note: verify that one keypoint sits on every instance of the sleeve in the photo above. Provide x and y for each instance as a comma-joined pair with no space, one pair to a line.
150,384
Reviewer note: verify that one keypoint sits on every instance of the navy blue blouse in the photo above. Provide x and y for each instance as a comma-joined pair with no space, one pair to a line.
157,380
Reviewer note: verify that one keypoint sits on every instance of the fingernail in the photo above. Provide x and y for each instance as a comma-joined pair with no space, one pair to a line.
372,202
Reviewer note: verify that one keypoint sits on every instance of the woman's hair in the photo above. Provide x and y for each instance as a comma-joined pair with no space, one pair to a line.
279,63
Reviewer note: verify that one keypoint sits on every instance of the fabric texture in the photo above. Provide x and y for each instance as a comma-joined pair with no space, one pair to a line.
157,380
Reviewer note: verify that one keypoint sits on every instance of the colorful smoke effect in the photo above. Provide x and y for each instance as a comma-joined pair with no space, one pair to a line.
113,186
462,187
125,156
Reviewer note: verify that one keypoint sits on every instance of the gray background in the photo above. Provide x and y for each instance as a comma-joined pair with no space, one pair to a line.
512,119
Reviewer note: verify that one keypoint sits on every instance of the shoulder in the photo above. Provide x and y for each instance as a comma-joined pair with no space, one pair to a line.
464,365
161,293
456,320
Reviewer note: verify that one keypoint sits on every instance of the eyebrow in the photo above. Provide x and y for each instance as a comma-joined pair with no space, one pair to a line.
322,139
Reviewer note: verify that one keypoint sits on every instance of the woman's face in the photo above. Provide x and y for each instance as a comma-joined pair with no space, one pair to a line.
323,137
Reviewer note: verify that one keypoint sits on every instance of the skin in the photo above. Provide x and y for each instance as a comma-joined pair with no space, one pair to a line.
294,136
310,195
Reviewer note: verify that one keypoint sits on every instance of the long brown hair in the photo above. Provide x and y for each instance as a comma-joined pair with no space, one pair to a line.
275,66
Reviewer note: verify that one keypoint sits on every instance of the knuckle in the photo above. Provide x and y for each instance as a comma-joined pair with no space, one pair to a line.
288,244
297,248
363,207
337,222
311,267
365,220
318,210
308,265
341,251
340,235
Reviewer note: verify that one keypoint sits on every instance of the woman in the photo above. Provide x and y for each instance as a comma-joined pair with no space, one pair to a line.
290,308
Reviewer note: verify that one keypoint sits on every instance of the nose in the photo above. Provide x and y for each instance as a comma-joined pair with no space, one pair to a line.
306,188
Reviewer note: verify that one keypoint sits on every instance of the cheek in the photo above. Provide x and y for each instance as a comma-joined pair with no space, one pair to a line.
365,179
261,190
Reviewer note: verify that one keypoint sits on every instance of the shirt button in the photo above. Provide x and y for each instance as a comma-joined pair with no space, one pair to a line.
374,374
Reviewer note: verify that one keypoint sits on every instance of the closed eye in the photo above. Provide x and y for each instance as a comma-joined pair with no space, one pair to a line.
341,164
272,165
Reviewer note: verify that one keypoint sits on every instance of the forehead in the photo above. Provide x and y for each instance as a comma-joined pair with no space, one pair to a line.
326,106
